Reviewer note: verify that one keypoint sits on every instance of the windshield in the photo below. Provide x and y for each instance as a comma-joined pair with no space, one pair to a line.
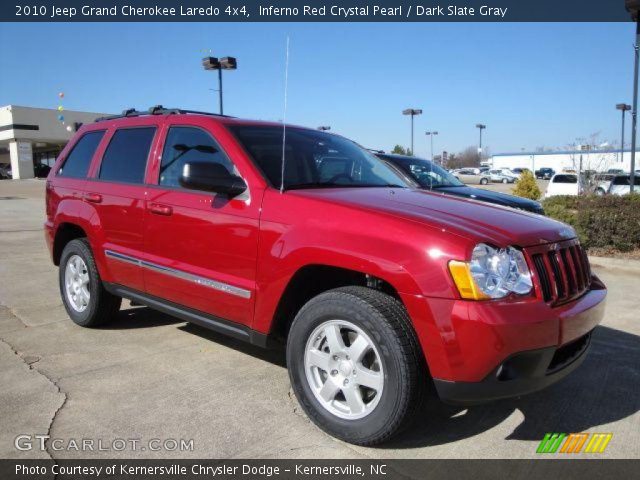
426,173
313,159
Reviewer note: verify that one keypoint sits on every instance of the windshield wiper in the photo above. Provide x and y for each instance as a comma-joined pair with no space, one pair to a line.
298,186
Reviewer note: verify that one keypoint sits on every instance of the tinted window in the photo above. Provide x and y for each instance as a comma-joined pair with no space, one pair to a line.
77,163
426,173
626,180
565,179
188,144
314,159
126,156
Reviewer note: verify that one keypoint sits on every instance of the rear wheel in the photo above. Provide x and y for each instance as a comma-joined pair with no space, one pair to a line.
355,364
85,299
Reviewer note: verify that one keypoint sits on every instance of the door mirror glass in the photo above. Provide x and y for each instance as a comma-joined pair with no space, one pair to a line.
211,177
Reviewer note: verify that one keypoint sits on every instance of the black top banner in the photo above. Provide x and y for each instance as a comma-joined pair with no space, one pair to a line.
313,11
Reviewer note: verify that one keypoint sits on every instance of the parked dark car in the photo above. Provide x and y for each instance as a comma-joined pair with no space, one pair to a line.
5,171
430,176
545,173
40,170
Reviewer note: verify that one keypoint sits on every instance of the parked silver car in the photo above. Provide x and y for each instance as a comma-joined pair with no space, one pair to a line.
499,176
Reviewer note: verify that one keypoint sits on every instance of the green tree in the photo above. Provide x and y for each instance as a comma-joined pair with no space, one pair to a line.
526,186
399,150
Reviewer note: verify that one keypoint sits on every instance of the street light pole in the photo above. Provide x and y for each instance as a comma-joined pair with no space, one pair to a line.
632,7
431,135
220,90
634,114
413,112
225,63
480,127
624,108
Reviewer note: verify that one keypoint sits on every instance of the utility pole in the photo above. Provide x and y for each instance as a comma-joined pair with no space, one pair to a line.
431,135
480,127
624,108
413,112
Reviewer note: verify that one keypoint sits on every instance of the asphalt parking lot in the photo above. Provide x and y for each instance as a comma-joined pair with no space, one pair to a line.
148,376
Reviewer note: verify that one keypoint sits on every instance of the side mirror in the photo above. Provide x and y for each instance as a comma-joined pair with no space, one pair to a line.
211,177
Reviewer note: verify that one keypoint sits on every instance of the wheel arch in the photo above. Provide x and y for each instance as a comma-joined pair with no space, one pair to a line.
313,279
66,232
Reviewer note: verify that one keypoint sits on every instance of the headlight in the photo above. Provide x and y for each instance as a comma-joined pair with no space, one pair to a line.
492,273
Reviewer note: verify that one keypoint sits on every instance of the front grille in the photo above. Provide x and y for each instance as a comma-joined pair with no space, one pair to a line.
563,273
568,353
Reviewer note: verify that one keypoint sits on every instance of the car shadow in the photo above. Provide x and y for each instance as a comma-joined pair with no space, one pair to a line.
144,317
130,318
602,390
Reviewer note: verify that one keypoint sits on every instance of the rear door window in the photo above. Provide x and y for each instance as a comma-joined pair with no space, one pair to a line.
77,163
125,159
565,179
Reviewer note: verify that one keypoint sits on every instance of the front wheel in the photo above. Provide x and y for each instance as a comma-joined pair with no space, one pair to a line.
505,180
355,365
484,181
85,299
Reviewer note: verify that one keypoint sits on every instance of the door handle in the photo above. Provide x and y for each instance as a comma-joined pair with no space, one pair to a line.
93,197
160,209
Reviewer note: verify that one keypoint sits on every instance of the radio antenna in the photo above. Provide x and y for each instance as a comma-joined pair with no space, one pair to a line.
284,115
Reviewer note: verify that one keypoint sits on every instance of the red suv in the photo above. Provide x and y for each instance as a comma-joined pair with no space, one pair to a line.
269,232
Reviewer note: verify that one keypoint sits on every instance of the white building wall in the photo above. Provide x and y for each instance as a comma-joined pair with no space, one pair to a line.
595,160
50,129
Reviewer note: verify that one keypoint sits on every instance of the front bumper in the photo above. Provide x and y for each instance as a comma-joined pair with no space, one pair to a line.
520,374
482,351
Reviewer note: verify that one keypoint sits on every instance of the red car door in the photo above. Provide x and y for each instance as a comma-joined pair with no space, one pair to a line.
200,247
116,190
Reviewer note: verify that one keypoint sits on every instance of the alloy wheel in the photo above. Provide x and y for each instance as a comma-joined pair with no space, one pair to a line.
76,282
344,369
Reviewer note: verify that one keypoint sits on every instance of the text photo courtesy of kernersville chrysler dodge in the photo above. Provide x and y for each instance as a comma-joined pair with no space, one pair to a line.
384,294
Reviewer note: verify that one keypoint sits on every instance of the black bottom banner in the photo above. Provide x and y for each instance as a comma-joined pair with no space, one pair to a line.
123,469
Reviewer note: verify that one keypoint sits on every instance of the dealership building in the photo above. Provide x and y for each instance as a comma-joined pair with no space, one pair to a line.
35,136
564,160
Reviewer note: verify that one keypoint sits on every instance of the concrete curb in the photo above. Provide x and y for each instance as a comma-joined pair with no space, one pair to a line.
621,263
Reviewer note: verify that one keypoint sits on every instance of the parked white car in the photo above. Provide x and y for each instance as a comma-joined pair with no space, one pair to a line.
563,184
621,185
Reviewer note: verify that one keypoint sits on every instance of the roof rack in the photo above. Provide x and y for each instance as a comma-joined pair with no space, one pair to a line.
156,110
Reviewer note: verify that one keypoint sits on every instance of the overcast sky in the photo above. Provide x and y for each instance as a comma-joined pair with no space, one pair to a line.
532,84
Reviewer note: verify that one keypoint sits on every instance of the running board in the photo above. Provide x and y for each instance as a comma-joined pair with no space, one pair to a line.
190,315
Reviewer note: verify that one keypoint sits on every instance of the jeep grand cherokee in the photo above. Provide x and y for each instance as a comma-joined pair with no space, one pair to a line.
265,232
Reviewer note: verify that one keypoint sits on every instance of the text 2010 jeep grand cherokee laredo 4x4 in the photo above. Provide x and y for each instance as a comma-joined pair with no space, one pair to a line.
377,288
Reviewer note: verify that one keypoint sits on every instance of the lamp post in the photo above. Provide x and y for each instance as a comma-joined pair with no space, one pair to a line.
624,108
431,135
225,63
413,112
481,127
633,6
324,128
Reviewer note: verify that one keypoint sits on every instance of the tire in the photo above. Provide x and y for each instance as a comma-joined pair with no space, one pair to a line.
101,306
402,375
505,180
484,181
600,192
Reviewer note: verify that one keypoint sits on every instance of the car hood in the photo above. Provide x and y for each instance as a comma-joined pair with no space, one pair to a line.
490,196
468,218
